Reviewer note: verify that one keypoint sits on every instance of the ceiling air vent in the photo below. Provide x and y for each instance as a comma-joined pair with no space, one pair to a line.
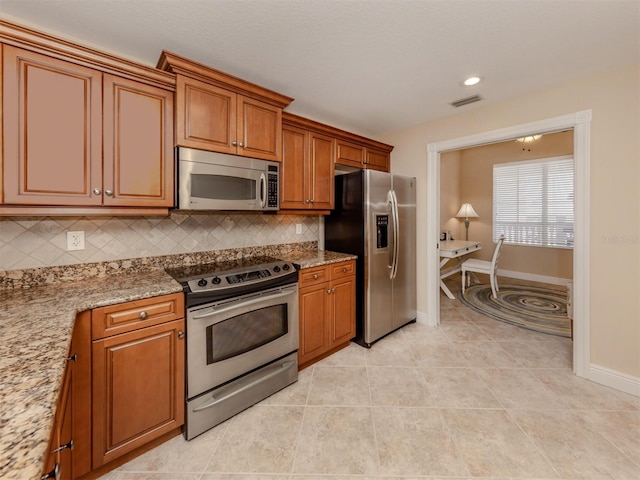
466,101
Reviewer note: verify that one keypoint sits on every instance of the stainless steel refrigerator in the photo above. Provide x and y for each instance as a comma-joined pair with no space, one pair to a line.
375,218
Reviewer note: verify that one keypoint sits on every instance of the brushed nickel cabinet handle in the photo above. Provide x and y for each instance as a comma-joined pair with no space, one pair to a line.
108,193
143,315
181,334
234,143
97,191
315,276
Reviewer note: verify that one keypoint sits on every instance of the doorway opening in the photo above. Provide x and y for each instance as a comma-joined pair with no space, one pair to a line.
580,123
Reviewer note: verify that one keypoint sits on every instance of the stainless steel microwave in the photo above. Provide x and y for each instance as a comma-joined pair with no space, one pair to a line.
216,181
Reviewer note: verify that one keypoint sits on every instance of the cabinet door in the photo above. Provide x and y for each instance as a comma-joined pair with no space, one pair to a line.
138,389
322,150
350,154
343,310
294,178
314,323
138,144
205,116
377,160
259,132
52,131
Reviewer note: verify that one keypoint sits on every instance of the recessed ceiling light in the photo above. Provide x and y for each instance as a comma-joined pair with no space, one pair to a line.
471,81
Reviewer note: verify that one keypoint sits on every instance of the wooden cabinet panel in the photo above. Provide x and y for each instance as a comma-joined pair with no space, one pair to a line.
377,160
293,179
343,306
322,153
313,276
349,154
52,130
138,144
126,317
138,388
205,116
314,327
343,269
259,129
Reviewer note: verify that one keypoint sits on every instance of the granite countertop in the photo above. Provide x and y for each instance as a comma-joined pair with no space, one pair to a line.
36,325
315,258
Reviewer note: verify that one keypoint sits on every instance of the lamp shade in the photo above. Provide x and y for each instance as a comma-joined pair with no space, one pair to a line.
466,211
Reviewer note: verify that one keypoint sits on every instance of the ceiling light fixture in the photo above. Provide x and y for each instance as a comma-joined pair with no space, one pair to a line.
471,81
528,138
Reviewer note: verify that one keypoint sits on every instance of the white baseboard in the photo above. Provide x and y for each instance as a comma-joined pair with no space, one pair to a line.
611,378
532,277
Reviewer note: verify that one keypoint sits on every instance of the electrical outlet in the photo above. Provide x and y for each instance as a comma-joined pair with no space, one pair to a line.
298,228
75,240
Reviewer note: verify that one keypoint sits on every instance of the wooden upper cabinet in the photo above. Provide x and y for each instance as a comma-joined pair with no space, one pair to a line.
212,118
52,130
306,177
218,112
138,144
377,160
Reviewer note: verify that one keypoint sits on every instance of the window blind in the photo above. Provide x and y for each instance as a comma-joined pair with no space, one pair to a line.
533,202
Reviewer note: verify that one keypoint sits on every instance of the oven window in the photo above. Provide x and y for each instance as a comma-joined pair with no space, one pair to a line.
222,187
245,332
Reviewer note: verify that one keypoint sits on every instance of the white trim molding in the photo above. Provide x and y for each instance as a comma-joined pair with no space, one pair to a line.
532,277
611,378
580,123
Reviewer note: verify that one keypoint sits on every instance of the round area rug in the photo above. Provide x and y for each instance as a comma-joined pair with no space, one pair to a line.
534,308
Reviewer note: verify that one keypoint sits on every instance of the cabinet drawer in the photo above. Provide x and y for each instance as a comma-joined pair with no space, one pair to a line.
313,276
343,269
126,317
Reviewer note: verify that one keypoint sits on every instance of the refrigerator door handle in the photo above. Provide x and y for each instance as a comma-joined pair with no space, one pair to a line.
396,233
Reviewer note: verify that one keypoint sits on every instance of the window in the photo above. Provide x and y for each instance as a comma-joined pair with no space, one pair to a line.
533,202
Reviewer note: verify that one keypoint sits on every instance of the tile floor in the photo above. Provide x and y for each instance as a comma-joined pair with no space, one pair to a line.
473,398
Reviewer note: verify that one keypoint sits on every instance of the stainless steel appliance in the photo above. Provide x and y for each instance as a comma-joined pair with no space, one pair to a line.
242,336
215,181
375,218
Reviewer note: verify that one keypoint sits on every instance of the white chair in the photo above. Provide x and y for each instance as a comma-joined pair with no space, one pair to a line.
473,265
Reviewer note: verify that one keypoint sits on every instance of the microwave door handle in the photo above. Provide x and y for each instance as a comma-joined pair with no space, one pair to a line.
263,188
216,311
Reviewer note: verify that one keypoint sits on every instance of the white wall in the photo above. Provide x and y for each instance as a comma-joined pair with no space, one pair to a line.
614,99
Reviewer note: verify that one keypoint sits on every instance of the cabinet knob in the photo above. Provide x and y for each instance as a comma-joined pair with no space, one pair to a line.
234,143
181,334
315,276
108,193
97,191
241,144
344,269
143,315
312,201
73,358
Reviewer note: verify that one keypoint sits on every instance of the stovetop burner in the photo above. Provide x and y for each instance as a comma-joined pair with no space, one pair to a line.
230,278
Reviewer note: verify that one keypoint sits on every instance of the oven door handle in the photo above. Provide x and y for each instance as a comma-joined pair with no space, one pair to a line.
216,311
275,370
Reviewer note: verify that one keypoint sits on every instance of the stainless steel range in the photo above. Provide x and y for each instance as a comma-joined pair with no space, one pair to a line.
242,336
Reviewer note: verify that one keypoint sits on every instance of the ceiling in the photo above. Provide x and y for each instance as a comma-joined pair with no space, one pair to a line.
367,66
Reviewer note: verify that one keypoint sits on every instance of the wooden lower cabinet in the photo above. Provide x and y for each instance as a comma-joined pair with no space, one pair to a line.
327,310
138,388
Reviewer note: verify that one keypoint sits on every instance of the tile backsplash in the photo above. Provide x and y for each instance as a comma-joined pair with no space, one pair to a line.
29,242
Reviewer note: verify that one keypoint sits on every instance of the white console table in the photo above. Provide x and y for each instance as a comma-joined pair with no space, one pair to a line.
450,249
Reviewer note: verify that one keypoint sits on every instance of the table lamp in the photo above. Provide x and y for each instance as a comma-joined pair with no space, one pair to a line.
465,212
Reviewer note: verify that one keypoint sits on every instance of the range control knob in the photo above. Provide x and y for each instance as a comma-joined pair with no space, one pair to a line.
285,267
276,269
202,282
216,280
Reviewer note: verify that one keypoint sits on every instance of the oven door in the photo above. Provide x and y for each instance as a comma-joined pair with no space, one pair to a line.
232,337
